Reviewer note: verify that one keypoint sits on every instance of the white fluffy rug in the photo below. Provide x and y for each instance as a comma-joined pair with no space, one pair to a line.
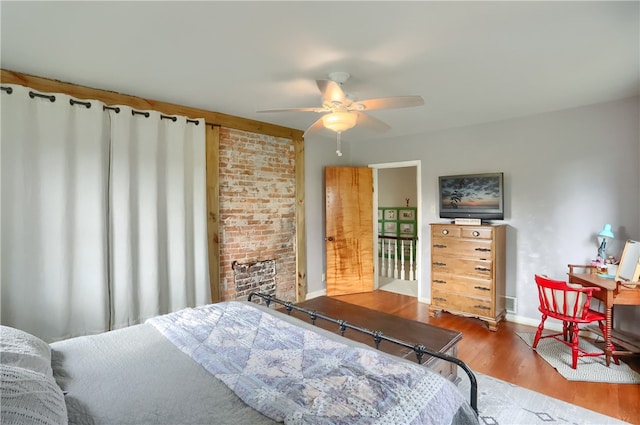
592,369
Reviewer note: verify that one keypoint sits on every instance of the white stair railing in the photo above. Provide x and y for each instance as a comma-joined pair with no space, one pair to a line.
396,257
385,249
402,241
412,271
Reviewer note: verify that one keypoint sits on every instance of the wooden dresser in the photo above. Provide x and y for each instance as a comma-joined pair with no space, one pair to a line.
468,271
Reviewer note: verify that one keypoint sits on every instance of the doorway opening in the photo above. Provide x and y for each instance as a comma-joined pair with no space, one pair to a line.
397,211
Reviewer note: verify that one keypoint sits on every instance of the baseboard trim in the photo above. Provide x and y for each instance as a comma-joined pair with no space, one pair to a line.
521,320
316,294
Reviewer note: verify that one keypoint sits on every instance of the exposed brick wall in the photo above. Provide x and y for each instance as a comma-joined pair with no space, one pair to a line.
257,208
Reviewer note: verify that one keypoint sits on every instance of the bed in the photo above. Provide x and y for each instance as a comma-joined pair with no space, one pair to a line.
227,363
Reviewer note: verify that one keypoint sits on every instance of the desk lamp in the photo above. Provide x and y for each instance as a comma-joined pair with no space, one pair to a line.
604,234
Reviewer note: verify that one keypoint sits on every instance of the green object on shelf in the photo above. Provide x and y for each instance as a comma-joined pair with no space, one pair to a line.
606,276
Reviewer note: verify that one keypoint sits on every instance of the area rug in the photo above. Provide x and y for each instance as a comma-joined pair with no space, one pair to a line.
403,287
502,403
591,369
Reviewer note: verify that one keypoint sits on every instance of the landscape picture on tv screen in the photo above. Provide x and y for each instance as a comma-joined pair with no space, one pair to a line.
477,196
471,193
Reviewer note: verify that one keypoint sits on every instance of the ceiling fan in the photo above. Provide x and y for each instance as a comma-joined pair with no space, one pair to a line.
342,113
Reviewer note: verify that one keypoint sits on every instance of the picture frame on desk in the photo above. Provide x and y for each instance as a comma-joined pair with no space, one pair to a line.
629,267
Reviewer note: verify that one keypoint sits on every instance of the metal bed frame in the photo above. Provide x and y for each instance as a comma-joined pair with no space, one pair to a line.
419,349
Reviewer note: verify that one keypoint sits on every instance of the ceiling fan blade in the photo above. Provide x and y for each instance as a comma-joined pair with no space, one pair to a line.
388,103
372,123
296,110
314,128
331,91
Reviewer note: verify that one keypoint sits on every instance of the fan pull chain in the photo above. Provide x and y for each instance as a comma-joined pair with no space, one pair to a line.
339,144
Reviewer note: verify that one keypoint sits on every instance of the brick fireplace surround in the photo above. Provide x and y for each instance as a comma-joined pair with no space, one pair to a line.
257,211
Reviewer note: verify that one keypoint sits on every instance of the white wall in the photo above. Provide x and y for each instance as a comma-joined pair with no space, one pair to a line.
395,185
567,173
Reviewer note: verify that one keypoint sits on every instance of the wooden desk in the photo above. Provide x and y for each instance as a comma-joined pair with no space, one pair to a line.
611,293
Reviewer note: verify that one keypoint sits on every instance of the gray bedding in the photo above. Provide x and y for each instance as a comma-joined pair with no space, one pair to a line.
136,376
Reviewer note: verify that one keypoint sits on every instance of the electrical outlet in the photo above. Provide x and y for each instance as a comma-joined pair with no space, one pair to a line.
324,277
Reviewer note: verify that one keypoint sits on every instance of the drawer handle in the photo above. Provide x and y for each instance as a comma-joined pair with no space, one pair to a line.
439,299
483,269
481,288
476,233
483,249
445,232
439,281
437,263
482,307
439,245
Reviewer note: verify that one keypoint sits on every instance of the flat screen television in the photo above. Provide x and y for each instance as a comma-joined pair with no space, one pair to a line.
472,196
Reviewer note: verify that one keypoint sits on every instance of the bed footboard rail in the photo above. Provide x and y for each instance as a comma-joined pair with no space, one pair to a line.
419,349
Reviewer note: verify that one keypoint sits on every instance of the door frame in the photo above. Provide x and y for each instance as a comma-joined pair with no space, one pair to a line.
403,164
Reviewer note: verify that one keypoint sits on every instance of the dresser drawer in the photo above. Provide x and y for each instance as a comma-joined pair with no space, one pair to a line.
445,231
480,248
449,283
462,303
476,267
476,232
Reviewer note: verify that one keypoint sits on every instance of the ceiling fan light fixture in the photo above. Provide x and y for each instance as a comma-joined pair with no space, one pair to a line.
340,121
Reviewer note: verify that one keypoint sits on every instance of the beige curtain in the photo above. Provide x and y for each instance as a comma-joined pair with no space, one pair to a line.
103,214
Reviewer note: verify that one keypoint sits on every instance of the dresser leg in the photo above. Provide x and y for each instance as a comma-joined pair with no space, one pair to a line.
434,312
493,325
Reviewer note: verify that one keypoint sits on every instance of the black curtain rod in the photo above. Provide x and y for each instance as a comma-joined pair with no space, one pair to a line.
33,95
87,104
78,102
134,112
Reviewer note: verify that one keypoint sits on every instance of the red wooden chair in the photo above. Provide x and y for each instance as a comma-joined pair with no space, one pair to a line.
570,304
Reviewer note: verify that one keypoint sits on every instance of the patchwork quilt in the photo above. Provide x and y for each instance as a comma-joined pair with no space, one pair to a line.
298,376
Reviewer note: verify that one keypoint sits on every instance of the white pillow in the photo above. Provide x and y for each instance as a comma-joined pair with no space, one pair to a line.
29,397
19,348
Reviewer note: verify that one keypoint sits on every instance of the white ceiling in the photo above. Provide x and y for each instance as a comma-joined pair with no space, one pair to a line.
472,62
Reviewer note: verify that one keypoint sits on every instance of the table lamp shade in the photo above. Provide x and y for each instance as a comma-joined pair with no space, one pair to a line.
606,232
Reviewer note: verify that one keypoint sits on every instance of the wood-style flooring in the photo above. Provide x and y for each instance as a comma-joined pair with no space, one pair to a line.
503,355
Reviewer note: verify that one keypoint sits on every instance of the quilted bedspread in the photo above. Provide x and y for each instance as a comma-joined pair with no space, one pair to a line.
297,376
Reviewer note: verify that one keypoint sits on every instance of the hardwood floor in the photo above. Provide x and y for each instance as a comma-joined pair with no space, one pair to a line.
503,355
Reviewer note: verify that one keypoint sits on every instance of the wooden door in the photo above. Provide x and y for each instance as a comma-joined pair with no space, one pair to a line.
349,230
